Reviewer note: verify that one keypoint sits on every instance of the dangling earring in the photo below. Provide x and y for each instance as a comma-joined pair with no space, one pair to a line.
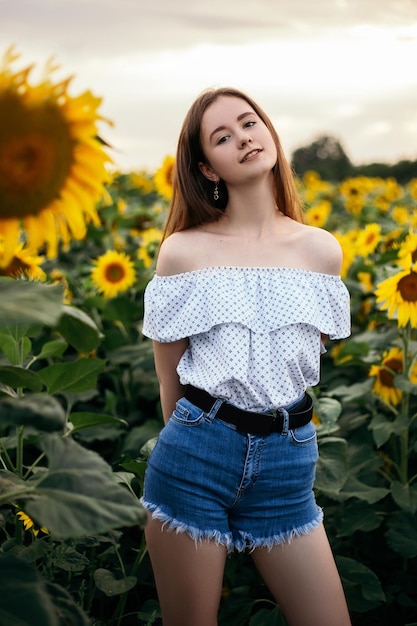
216,191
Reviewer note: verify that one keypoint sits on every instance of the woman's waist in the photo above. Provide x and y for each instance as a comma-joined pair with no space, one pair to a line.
247,395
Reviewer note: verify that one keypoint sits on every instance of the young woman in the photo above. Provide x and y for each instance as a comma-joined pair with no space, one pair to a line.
243,297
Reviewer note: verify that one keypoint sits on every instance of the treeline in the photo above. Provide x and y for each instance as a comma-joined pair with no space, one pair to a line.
327,157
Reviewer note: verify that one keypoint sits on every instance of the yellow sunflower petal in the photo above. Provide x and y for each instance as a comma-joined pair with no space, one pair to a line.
113,273
49,151
9,233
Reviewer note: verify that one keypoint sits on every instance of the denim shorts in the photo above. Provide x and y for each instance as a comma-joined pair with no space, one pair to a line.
240,490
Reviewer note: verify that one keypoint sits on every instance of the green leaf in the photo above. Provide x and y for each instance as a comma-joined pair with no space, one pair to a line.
19,377
24,599
328,411
121,309
354,488
40,411
137,468
87,419
268,617
79,330
353,348
349,393
149,612
112,586
405,496
331,469
362,587
10,483
78,495
27,600
401,381
53,348
70,560
402,534
27,302
358,515
382,428
69,613
139,435
76,376
14,350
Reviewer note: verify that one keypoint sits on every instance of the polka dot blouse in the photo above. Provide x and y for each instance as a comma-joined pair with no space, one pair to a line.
254,332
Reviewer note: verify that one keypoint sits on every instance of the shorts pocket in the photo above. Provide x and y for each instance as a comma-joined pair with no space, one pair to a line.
304,435
187,413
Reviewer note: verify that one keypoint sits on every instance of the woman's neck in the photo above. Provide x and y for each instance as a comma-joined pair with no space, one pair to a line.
251,210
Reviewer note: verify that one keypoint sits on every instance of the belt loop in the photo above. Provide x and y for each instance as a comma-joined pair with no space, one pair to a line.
286,422
216,406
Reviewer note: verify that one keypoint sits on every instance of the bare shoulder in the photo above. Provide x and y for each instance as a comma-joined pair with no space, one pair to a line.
322,251
176,253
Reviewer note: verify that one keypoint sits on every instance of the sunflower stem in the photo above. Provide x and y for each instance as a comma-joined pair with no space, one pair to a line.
19,451
405,409
5,458
13,495
34,464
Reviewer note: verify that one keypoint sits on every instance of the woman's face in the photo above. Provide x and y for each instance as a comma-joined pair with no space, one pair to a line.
237,144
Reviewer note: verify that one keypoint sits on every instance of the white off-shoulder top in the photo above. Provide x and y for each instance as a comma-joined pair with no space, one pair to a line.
254,332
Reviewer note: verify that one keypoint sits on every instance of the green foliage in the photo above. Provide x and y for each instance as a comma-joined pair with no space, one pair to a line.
326,156
79,415
72,495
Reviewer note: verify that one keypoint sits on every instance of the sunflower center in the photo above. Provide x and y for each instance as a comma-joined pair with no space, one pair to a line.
36,154
16,268
386,377
114,273
407,286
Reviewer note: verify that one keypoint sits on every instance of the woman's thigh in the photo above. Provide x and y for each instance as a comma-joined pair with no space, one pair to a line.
188,575
303,578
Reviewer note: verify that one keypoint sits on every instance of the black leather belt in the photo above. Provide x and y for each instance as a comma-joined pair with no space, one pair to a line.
249,422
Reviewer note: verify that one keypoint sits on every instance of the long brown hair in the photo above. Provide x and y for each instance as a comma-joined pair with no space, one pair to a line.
192,201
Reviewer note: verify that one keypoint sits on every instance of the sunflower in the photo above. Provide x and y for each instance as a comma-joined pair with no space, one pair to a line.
150,240
319,213
391,365
412,188
407,254
313,187
52,163
59,278
114,273
368,239
366,281
354,192
142,181
401,215
398,296
23,263
29,524
163,178
347,243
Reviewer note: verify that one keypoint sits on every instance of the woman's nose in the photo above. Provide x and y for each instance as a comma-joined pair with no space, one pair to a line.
244,139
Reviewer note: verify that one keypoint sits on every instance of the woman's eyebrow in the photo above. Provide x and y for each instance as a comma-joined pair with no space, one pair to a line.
239,118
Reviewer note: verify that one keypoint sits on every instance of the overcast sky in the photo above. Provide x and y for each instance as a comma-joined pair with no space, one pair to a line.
340,67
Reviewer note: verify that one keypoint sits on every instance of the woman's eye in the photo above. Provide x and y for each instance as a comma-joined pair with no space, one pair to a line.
250,123
221,139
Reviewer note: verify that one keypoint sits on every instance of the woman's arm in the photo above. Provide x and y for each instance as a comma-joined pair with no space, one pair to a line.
167,357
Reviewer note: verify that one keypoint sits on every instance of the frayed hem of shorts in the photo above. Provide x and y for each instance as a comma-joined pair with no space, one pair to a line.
248,542
173,525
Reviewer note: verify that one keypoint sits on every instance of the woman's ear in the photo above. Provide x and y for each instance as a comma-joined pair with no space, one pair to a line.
208,172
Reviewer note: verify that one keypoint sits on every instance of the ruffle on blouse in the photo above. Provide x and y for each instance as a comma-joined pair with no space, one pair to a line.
261,299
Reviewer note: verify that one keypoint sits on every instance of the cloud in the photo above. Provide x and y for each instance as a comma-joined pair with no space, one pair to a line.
105,27
336,66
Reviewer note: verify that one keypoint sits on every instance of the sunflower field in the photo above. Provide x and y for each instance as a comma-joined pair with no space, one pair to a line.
79,407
